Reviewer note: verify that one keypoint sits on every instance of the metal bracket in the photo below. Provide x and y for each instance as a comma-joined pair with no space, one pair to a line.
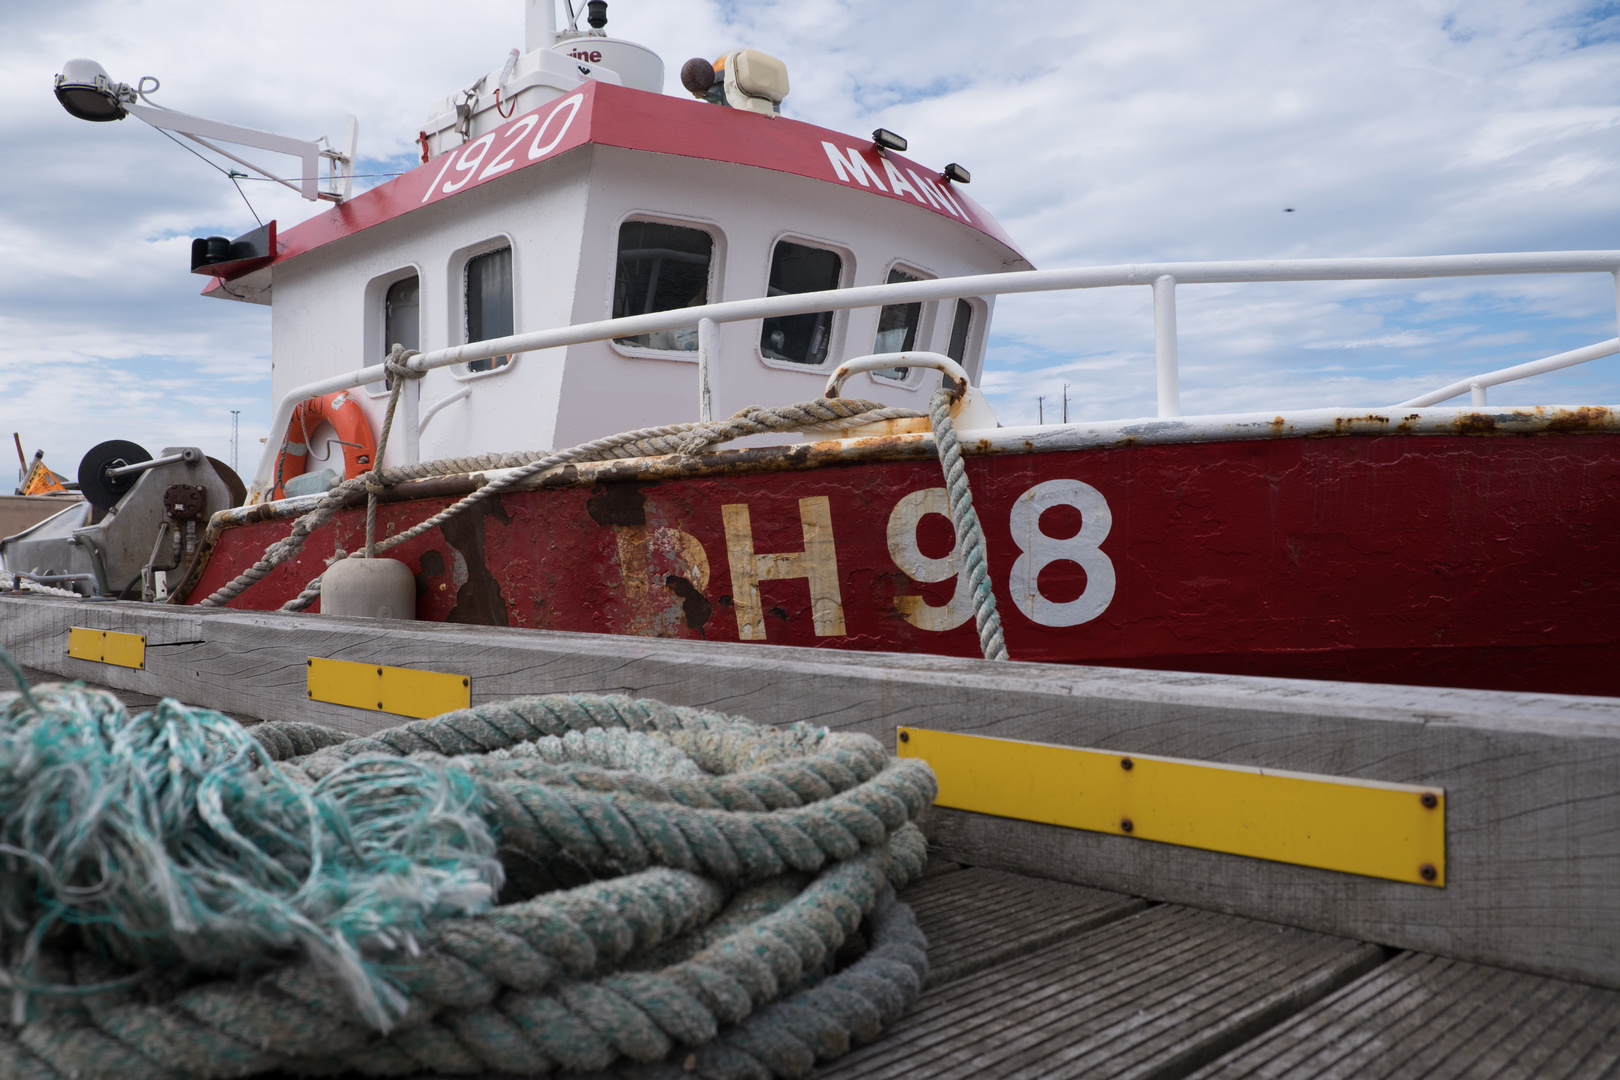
1366,827
374,687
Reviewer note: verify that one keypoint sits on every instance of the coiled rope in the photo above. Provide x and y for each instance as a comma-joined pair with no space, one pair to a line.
679,892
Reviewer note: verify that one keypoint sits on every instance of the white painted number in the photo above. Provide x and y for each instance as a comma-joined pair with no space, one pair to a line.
1040,551
474,153
539,149
903,522
517,132
470,159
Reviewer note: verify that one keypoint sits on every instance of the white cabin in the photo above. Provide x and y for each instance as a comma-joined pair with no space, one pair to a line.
598,200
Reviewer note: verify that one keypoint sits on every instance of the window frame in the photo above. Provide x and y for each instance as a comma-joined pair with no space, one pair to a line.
376,325
978,324
840,321
717,251
927,321
458,262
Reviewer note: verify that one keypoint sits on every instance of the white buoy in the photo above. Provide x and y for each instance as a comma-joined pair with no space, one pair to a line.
369,588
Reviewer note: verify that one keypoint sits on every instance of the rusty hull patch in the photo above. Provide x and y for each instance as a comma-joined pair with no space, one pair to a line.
1583,418
1354,425
1475,424
478,600
694,605
618,504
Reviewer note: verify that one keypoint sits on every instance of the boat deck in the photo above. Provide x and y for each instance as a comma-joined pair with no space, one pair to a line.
1031,977
1036,978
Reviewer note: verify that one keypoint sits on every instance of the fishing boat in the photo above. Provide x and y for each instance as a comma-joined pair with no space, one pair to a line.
1257,744
580,254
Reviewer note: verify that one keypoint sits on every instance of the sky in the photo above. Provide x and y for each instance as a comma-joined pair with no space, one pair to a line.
1097,133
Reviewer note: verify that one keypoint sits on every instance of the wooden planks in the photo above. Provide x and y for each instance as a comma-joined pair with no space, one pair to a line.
1532,781
1155,994
977,918
1424,1016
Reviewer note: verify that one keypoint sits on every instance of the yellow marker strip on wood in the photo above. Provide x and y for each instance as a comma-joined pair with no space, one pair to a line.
1394,831
401,691
107,647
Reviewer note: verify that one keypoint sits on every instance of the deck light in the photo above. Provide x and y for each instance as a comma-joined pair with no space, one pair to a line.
953,171
85,91
889,140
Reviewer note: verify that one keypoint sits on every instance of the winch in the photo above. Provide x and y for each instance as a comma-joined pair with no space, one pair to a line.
143,518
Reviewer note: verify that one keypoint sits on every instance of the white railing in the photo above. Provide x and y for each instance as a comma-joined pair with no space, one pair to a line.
1163,278
1476,384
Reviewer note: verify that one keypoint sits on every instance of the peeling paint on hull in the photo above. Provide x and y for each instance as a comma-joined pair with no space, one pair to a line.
1435,559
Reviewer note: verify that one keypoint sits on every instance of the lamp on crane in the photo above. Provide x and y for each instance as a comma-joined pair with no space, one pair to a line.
86,91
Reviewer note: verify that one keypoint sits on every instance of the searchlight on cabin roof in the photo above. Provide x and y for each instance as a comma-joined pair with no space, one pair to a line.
743,79
87,92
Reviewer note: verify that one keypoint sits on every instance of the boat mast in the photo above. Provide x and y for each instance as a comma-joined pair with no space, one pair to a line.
539,25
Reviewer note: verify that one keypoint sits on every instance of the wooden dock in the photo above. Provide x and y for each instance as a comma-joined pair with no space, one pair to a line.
1037,978
1066,952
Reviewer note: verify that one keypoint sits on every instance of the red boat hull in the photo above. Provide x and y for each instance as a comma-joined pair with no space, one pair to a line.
1450,560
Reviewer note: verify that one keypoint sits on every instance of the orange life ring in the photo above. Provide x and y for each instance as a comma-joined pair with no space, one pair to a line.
347,419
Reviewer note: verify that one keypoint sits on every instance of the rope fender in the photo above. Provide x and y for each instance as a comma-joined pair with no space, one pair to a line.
686,893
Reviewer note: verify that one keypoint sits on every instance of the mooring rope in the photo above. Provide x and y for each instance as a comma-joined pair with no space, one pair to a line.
969,536
566,882
396,364
17,583
685,439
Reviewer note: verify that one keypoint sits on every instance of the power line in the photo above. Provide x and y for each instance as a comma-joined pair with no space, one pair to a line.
301,179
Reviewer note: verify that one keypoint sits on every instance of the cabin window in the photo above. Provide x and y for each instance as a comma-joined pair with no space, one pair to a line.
661,268
897,328
402,318
796,268
489,302
960,325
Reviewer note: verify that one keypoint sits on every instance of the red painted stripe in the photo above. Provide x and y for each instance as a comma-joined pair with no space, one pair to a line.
636,120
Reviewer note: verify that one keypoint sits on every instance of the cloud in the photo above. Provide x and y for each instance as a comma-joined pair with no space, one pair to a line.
1097,133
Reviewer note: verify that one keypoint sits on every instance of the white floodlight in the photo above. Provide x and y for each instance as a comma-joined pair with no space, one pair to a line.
86,91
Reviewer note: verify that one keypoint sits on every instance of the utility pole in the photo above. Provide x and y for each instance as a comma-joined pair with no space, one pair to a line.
1065,403
1040,409
236,415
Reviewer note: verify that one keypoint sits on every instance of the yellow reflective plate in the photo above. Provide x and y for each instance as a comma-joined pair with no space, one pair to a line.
107,647
1394,831
401,691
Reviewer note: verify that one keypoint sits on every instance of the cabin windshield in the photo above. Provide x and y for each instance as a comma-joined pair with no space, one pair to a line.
897,327
796,268
661,268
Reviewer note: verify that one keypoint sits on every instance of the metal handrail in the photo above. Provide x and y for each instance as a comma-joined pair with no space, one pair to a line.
1161,277
1476,384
